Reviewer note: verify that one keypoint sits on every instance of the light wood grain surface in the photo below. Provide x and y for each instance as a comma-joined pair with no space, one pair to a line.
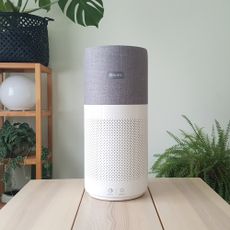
169,204
138,214
43,205
189,204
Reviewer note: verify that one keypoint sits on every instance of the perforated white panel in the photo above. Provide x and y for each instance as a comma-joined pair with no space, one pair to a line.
115,149
115,143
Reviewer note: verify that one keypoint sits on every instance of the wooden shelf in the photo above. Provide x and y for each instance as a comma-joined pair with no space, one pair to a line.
31,160
23,67
38,113
7,113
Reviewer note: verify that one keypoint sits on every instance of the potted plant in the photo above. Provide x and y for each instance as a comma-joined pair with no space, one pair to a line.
17,141
198,155
24,37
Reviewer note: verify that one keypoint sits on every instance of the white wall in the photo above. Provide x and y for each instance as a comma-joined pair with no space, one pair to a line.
188,42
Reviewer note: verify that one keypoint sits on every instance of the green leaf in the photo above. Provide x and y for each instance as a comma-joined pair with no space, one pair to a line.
19,4
45,4
8,7
17,140
42,5
84,12
197,154
62,4
2,6
11,7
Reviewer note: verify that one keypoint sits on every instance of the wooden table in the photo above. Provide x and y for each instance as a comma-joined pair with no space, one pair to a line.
170,204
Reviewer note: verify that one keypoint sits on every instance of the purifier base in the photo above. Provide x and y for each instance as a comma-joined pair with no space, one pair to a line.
116,198
116,150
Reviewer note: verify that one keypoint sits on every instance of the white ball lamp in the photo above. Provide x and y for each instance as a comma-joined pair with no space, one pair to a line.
18,93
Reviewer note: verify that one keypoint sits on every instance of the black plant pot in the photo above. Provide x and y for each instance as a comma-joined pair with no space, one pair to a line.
7,196
23,38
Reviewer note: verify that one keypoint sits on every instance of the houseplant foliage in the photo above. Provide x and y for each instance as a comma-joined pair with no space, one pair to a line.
17,141
198,154
84,12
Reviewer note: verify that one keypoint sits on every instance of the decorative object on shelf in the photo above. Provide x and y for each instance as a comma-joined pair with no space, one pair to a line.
24,37
18,93
17,142
84,12
199,155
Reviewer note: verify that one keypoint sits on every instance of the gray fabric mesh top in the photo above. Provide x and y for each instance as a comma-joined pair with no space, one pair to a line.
116,75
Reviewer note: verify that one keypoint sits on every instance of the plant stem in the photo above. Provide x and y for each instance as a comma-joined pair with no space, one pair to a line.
19,4
24,7
41,8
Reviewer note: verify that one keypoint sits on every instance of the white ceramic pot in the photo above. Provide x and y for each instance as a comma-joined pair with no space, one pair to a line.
18,93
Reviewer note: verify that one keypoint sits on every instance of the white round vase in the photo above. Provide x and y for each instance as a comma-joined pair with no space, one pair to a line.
18,93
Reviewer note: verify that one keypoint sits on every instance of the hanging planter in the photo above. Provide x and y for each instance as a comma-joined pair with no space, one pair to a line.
83,12
23,38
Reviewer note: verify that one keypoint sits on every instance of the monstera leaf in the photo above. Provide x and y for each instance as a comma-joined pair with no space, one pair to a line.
84,12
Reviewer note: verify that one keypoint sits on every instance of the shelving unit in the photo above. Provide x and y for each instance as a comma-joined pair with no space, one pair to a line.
38,113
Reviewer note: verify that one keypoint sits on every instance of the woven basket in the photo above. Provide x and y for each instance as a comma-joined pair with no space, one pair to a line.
23,38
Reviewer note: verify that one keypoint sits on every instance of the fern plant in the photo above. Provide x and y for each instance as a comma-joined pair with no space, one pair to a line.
198,154
17,141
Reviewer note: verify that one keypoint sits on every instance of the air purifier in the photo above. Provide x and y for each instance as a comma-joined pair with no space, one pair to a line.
115,122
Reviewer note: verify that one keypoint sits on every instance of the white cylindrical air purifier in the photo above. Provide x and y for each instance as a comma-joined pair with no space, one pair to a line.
115,122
